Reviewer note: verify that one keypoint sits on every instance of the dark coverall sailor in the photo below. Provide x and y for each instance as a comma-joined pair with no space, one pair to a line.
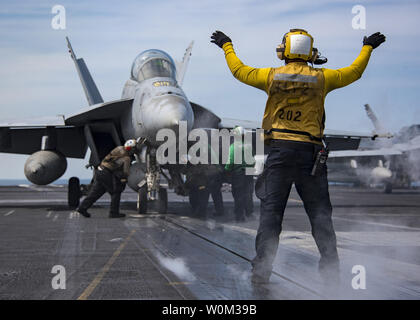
214,183
110,176
242,184
198,192
294,124
202,181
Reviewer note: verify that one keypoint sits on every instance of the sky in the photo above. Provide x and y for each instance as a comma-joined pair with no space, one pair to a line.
38,78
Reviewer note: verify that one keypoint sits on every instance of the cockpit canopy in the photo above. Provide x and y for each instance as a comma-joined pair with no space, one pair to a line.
152,63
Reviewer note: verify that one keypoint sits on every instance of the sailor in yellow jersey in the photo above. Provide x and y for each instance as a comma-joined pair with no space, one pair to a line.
294,123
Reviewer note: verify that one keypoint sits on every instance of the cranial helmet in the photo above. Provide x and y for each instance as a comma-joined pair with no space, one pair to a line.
298,44
238,130
130,144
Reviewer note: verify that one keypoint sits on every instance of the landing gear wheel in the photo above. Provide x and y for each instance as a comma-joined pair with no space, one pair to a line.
388,187
73,194
162,201
142,200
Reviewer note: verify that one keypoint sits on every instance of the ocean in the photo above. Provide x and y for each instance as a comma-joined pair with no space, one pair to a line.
16,182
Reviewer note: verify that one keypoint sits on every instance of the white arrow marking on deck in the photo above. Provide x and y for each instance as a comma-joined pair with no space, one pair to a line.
9,213
55,217
48,214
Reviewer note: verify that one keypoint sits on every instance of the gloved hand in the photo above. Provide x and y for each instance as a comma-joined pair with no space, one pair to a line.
220,38
374,40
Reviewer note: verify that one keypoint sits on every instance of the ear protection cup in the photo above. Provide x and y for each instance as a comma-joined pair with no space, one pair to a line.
315,55
280,51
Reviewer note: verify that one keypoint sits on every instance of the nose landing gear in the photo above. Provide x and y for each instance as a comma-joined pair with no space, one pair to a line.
150,190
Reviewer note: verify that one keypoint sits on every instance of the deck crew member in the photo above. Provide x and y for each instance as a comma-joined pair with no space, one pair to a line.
242,184
294,123
110,176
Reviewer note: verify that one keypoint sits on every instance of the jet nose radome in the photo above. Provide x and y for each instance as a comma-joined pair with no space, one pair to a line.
173,111
168,111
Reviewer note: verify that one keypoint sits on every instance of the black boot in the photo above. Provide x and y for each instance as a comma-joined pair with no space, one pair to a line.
116,215
259,279
260,272
329,269
83,212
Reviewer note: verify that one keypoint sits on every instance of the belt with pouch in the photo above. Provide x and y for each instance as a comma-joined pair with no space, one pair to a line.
297,145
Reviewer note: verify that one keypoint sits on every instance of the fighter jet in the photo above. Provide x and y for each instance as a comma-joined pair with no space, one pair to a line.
152,99
392,162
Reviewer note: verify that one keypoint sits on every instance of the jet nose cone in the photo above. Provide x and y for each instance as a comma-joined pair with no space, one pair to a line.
168,111
173,110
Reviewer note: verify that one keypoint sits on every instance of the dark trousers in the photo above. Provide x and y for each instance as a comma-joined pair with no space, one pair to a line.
104,181
284,167
249,208
215,186
242,185
199,199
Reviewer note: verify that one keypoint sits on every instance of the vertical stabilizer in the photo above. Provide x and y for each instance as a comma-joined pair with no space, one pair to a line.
379,129
91,91
181,67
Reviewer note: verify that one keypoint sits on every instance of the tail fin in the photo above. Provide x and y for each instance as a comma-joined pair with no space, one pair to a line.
182,66
379,129
91,91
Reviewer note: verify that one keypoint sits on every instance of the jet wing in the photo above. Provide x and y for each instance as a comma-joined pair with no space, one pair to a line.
345,140
336,139
230,123
102,111
347,134
35,122
25,137
364,153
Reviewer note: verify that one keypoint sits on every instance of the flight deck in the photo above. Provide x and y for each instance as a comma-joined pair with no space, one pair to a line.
178,256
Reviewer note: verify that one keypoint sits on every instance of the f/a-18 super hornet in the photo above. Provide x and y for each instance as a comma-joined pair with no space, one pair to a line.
152,99
393,162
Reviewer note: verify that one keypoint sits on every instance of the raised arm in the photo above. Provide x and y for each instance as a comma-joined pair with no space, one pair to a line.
256,77
344,76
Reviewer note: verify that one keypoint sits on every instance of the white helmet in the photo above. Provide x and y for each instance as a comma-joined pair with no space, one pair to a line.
130,144
238,130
